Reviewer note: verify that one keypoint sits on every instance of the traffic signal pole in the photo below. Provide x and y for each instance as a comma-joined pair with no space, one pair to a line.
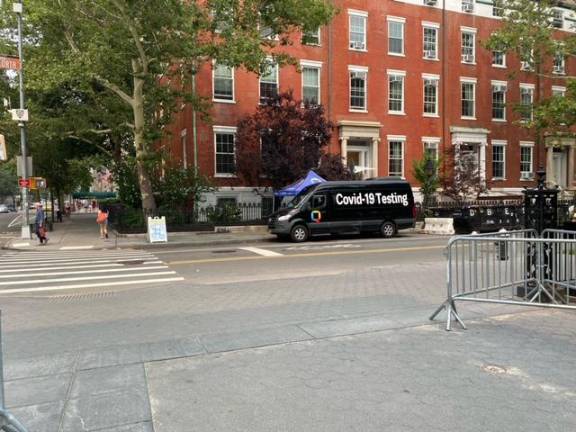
19,10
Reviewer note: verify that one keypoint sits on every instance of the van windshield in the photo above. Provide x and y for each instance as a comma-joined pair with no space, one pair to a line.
301,198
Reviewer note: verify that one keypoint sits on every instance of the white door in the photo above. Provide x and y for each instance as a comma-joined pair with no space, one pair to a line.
559,167
359,161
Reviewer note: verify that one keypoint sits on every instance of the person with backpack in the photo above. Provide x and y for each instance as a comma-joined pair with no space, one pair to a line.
102,220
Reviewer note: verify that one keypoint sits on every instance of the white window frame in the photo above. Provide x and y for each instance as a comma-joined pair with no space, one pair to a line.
469,9
402,140
559,89
397,74
499,84
561,70
318,34
214,98
359,69
472,81
359,14
312,65
272,62
430,26
496,65
433,142
503,144
397,20
532,88
530,145
223,130
429,77
469,31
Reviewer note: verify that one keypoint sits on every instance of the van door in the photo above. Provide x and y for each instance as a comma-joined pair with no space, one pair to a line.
346,215
319,217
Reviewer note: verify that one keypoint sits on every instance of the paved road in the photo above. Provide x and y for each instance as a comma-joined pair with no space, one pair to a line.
7,232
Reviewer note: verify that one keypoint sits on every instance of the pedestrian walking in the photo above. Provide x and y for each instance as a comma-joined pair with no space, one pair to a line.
102,220
41,224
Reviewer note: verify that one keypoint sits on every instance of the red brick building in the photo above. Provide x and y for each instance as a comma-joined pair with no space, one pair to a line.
397,77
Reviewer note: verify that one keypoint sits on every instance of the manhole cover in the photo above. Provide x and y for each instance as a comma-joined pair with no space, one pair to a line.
224,251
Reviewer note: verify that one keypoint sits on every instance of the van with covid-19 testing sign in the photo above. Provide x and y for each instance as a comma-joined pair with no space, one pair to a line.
381,206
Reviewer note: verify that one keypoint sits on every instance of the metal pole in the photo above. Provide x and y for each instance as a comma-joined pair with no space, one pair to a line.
18,8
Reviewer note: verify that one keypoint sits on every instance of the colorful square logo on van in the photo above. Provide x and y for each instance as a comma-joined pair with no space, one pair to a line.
316,216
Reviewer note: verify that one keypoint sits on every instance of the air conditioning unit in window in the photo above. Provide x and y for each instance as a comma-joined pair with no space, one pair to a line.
525,66
430,2
357,45
558,69
468,7
429,54
525,176
467,58
557,21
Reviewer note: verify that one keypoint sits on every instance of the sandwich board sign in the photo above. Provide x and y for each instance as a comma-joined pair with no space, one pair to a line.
3,152
157,232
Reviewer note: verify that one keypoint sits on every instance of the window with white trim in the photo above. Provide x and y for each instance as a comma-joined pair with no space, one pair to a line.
311,84
468,46
184,144
395,36
468,98
499,100
223,83
396,158
498,160
498,59
430,96
358,86
468,6
497,8
527,60
558,91
526,162
357,34
396,93
431,148
430,42
269,83
526,102
559,64
224,141
312,37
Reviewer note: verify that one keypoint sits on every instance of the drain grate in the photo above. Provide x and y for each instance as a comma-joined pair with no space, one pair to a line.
131,262
81,297
224,251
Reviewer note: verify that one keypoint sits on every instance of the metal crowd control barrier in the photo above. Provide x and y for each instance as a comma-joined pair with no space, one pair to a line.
514,267
8,422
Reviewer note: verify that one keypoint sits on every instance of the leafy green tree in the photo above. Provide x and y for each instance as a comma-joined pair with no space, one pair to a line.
145,53
8,181
182,188
426,172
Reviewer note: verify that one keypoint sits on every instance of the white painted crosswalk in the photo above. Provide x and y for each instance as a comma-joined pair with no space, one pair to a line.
36,272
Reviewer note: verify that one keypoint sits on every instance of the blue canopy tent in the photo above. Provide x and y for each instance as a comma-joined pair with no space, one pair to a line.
296,188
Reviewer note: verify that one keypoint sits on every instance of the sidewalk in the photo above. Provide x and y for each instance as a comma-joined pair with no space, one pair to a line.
80,231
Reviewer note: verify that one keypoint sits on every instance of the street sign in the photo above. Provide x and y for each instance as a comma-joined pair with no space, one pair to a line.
20,115
9,63
3,152
37,183
20,166
24,183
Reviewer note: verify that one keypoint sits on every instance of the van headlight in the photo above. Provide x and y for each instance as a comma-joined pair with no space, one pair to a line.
284,218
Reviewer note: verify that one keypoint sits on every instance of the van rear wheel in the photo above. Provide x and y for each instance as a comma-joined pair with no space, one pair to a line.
388,229
299,233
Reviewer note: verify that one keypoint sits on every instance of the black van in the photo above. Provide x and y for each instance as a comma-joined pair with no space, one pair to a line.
379,205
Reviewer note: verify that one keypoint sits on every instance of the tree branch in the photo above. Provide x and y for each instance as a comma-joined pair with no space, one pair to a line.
136,37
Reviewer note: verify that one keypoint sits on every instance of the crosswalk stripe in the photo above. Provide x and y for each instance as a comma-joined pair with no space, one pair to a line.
70,260
26,267
259,251
86,278
109,270
48,267
66,287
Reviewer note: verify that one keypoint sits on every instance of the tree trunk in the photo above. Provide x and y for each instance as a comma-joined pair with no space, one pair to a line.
146,192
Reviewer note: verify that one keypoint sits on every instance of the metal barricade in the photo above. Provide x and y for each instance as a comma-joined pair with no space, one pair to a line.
8,422
514,267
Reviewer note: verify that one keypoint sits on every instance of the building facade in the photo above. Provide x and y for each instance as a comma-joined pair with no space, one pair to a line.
397,78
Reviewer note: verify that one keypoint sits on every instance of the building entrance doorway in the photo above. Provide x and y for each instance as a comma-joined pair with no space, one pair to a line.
560,167
359,158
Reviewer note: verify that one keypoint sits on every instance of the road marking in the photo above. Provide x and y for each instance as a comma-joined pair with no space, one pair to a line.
20,244
76,247
85,278
5,263
263,252
108,284
108,270
48,267
304,255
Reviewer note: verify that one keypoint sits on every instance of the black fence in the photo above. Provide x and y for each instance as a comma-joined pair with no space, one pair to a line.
486,215
129,220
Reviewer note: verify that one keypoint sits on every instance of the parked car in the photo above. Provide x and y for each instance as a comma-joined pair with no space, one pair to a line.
4,209
379,205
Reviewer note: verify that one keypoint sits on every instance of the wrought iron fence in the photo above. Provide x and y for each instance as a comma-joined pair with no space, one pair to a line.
129,220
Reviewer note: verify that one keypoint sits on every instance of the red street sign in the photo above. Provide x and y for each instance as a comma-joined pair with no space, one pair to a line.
9,63
24,183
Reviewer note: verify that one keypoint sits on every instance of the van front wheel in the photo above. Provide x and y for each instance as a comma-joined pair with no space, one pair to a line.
388,229
299,233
